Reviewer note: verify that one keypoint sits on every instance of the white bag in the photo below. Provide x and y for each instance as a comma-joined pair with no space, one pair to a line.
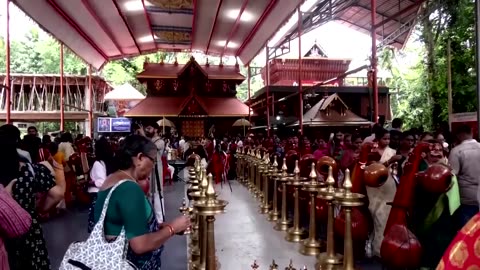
96,253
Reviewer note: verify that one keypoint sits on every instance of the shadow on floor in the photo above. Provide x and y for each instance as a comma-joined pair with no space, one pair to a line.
72,226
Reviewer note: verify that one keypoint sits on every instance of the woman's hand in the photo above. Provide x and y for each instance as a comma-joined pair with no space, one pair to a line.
9,187
180,224
395,158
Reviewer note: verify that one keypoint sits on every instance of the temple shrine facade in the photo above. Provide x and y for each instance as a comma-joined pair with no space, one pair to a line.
198,99
321,76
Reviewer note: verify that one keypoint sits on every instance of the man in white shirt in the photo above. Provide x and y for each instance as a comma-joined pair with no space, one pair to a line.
464,159
375,129
181,144
156,180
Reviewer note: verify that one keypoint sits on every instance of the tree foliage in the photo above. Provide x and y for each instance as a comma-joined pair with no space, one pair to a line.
39,53
420,89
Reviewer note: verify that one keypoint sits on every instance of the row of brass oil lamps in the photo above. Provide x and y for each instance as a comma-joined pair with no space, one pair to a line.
202,208
258,174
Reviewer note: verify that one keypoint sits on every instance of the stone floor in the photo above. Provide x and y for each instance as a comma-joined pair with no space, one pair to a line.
242,234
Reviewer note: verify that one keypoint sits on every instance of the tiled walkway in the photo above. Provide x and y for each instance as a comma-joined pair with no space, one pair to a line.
242,234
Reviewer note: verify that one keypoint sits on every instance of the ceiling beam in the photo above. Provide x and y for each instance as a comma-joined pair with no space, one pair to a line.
399,13
149,22
214,24
265,13
194,17
77,28
235,26
120,13
107,31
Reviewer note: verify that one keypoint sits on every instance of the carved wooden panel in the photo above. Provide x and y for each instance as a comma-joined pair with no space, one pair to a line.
193,128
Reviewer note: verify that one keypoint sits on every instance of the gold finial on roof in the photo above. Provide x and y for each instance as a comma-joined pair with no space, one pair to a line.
275,164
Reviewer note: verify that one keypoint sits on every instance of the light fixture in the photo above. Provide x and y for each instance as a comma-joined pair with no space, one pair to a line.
233,14
278,117
136,5
230,44
145,39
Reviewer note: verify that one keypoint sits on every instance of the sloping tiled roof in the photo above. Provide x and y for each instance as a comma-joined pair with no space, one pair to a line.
224,106
157,106
172,71
331,111
173,106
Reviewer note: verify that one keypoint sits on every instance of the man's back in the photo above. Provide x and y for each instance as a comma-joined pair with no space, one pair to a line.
465,161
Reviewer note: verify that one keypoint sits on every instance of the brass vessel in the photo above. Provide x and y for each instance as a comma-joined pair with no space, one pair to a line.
274,213
296,233
283,222
208,208
347,199
267,171
311,246
329,259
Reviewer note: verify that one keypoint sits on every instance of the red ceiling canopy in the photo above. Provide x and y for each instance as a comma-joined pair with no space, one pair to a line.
103,30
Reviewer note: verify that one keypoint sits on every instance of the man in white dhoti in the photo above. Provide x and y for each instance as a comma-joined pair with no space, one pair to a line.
156,179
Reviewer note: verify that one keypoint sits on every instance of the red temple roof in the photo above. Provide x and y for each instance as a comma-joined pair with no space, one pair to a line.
157,106
172,71
284,71
174,106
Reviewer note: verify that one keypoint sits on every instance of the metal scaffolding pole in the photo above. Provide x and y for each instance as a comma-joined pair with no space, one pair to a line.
477,50
91,100
62,101
374,61
300,70
267,85
8,86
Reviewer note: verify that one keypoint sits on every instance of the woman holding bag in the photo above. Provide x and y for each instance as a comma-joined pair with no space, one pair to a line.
29,251
128,209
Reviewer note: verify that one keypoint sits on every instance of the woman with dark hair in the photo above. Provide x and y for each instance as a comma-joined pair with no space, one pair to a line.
351,152
379,196
129,208
29,251
102,167
66,148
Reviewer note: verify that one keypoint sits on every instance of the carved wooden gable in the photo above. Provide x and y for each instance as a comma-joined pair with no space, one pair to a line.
316,51
333,104
193,107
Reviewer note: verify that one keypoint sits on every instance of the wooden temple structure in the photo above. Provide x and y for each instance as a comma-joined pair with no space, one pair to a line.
321,77
36,97
196,98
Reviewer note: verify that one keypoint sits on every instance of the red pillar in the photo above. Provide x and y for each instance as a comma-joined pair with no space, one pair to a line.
8,89
300,70
374,61
249,77
90,109
267,86
62,101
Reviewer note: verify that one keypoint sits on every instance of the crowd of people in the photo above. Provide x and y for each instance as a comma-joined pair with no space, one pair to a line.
37,179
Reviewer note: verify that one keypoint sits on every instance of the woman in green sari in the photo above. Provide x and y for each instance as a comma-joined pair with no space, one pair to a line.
431,219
